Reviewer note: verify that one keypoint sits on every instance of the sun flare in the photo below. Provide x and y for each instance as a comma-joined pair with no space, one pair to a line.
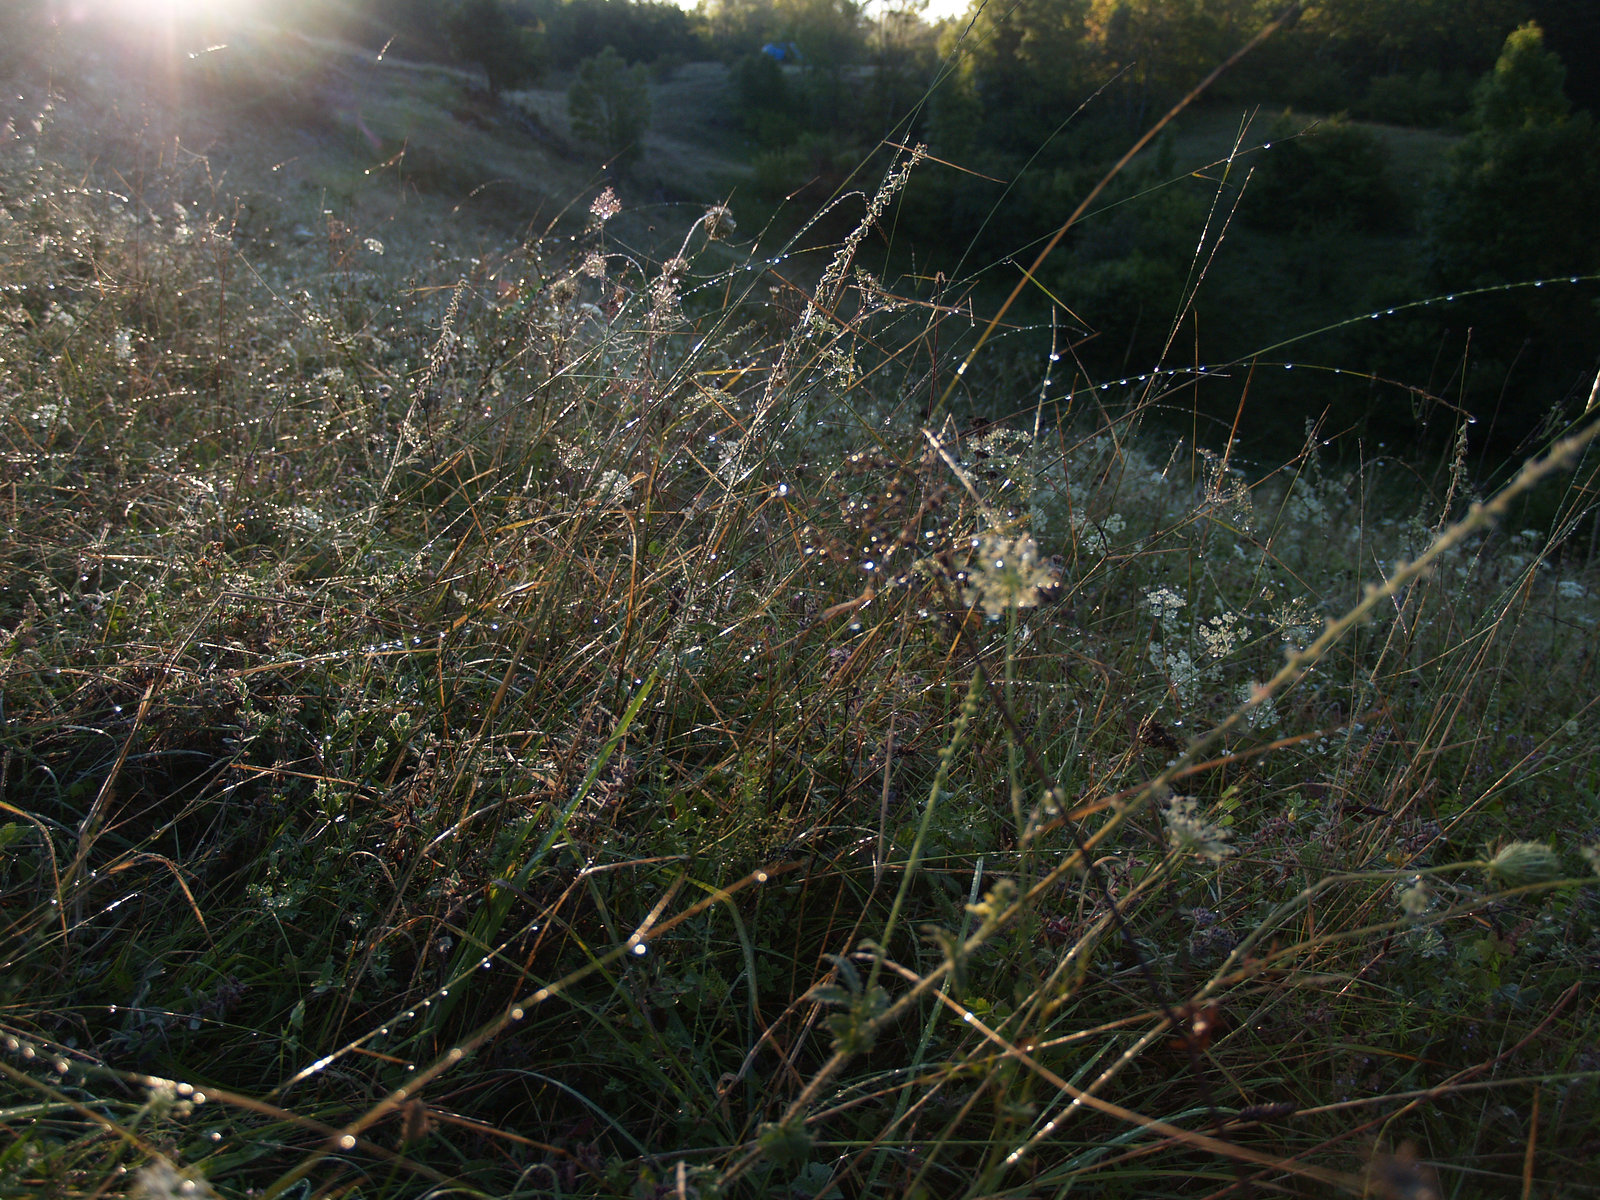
179,13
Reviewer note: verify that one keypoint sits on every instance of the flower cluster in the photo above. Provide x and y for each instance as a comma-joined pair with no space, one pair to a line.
1008,574
1189,833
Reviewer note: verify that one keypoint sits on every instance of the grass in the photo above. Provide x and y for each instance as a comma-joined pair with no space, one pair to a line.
531,723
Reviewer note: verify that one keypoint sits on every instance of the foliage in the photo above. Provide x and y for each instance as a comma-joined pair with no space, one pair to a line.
1426,99
761,97
829,33
485,33
1020,71
639,30
1330,173
1524,90
1518,205
609,103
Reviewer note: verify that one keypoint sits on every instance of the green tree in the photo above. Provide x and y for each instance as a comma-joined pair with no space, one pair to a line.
1525,89
1021,72
483,32
1520,202
609,103
830,33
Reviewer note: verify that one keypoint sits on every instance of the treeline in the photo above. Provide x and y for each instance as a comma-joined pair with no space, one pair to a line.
1328,225
1034,98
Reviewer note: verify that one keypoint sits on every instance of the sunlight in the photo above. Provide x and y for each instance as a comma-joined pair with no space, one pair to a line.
179,13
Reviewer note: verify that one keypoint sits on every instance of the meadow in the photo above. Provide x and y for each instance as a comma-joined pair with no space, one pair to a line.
576,713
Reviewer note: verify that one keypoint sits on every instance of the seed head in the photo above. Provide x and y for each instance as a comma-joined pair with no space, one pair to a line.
1523,863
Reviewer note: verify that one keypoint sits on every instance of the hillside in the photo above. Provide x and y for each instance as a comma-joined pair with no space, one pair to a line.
513,688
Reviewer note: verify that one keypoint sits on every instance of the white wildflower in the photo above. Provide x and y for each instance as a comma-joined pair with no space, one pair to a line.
612,489
1008,574
1189,833
1416,899
1222,634
1179,670
161,1180
373,245
1571,589
1164,604
1264,714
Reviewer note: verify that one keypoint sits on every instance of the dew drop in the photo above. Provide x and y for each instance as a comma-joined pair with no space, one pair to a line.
347,1142
640,950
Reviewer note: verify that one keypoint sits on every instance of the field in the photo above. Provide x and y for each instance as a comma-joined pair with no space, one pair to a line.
513,691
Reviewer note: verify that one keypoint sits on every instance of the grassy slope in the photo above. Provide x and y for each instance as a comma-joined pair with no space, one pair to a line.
473,720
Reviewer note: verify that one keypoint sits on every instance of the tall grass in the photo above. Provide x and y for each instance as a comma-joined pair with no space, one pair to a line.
553,724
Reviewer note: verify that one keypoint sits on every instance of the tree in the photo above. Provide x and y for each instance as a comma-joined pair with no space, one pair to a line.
1021,73
829,33
1525,89
609,103
1521,202
483,32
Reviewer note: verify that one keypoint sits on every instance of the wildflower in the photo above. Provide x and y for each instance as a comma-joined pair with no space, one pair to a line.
1571,589
161,1180
1189,833
1524,863
373,246
1164,603
1009,575
612,489
1222,634
594,266
1263,713
1179,669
